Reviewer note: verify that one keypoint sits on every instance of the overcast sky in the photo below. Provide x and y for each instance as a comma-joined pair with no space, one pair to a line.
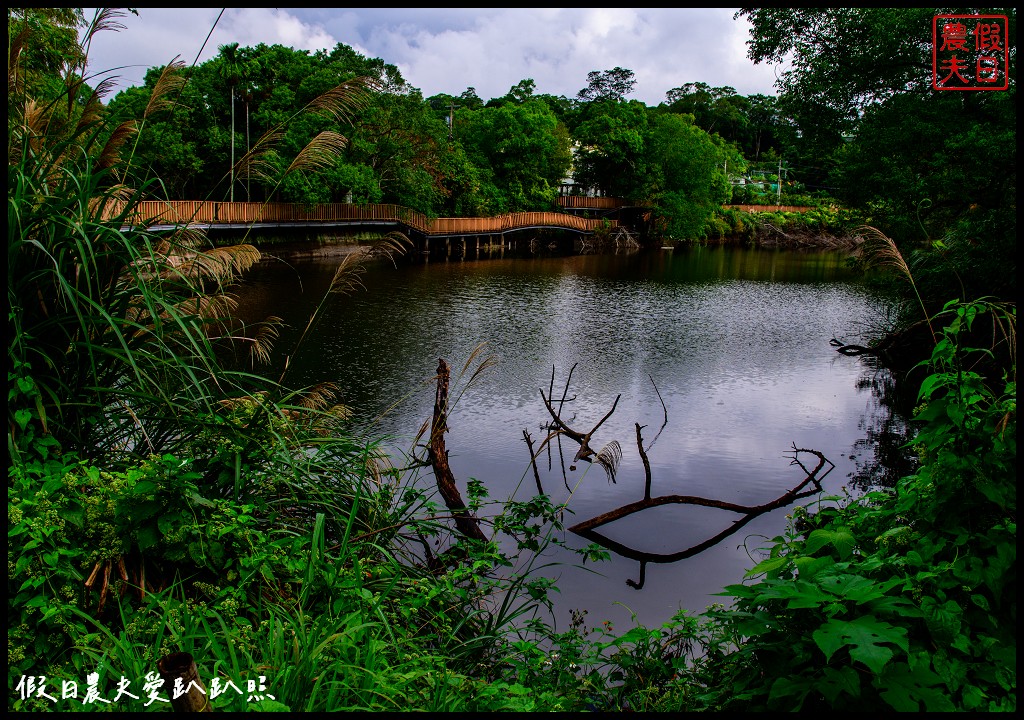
446,50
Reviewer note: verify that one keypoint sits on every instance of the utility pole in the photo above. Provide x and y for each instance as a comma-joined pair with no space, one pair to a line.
247,146
778,196
232,143
451,120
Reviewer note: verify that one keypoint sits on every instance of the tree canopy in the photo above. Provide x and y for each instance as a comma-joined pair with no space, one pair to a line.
921,164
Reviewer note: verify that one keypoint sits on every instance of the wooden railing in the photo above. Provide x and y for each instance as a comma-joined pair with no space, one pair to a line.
596,203
770,208
184,212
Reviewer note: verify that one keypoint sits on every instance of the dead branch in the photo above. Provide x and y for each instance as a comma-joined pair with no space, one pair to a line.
649,502
437,454
664,409
639,584
582,439
533,461
587,528
647,462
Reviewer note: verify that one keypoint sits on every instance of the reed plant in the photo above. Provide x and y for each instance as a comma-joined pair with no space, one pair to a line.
163,500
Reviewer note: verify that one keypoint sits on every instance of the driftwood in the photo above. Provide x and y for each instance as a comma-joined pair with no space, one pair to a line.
896,349
437,455
180,666
588,528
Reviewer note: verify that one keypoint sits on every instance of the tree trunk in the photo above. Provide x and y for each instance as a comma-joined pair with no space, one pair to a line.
438,455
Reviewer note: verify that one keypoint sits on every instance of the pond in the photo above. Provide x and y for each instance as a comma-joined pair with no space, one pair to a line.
722,354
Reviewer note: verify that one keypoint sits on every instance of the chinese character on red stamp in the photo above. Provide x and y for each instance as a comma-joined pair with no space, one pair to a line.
970,52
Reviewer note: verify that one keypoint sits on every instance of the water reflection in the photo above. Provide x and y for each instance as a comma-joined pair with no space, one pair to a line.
725,349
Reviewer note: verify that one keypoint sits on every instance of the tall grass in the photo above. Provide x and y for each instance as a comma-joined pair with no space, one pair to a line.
213,511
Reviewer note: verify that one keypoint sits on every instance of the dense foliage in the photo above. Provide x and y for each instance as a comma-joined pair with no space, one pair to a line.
936,171
442,156
162,498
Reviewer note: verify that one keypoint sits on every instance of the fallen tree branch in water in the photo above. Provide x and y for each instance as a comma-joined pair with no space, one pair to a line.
437,455
588,528
750,511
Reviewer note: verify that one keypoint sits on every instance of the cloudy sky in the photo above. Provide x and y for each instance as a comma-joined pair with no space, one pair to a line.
446,50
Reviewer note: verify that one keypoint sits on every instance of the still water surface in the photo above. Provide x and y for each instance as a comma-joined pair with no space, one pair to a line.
734,342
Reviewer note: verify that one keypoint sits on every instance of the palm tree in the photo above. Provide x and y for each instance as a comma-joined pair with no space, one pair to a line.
231,71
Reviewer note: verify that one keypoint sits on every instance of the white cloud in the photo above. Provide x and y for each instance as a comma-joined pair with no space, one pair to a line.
251,26
446,50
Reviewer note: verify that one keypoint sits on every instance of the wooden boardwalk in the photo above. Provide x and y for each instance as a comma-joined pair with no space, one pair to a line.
159,214
770,208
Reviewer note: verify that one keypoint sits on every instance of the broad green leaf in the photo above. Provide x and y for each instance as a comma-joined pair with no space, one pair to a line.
635,635
837,681
864,635
874,656
144,487
767,566
22,417
216,552
36,601
143,510
147,537
167,522
840,538
943,621
199,500
785,687
74,514
808,595
811,566
853,587
895,605
53,484
829,637
905,689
